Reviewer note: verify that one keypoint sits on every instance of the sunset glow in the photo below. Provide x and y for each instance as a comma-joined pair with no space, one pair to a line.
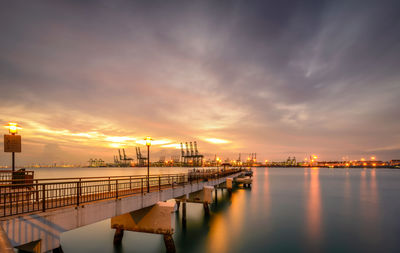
91,89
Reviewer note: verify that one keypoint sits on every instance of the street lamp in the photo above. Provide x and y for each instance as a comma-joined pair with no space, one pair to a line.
148,144
12,141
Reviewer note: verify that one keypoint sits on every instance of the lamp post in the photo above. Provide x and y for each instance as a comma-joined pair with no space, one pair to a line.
12,142
148,144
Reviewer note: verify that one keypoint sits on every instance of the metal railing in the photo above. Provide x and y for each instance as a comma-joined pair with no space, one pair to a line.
20,197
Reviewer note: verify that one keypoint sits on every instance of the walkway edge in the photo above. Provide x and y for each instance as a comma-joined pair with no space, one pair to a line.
5,244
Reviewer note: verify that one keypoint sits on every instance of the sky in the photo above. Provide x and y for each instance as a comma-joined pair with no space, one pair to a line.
279,78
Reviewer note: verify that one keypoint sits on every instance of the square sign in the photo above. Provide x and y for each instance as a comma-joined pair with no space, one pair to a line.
12,143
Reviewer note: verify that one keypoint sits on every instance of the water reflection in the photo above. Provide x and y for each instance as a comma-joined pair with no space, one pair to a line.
373,187
266,190
218,234
314,207
227,227
369,209
260,197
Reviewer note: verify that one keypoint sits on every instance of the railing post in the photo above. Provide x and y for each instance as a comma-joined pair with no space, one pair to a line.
43,197
78,193
37,191
130,183
159,183
109,184
116,188
141,185
80,187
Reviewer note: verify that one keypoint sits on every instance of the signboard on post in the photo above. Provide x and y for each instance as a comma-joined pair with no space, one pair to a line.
12,143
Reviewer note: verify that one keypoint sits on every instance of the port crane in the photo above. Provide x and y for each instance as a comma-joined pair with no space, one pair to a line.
192,156
122,160
142,160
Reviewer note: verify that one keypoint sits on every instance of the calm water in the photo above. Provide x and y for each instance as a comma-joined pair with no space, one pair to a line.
286,210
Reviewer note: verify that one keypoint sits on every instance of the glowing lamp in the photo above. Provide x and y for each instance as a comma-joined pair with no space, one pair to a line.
13,128
148,141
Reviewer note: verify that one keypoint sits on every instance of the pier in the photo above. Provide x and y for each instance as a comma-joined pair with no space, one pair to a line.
35,212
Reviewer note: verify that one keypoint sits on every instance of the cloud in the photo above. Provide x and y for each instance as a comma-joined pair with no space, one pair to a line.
216,140
277,78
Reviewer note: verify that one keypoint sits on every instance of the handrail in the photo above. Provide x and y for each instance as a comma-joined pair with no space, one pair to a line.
40,195
88,178
105,177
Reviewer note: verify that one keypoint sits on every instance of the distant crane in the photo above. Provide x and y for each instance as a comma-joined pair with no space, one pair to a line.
96,162
187,150
142,160
291,161
191,149
123,160
192,155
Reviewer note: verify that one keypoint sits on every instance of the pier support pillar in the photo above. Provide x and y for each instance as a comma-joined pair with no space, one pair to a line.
184,214
178,204
169,243
201,196
206,208
229,184
118,235
157,219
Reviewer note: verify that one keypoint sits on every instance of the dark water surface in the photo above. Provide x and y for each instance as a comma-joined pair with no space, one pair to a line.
286,210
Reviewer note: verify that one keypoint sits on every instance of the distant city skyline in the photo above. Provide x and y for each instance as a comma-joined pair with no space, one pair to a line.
287,78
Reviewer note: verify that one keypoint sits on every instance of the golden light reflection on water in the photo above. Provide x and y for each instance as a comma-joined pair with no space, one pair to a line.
369,208
227,226
373,187
218,235
369,195
267,199
314,206
347,188
260,200
363,185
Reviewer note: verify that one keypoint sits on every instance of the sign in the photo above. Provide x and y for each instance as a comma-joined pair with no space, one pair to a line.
12,143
